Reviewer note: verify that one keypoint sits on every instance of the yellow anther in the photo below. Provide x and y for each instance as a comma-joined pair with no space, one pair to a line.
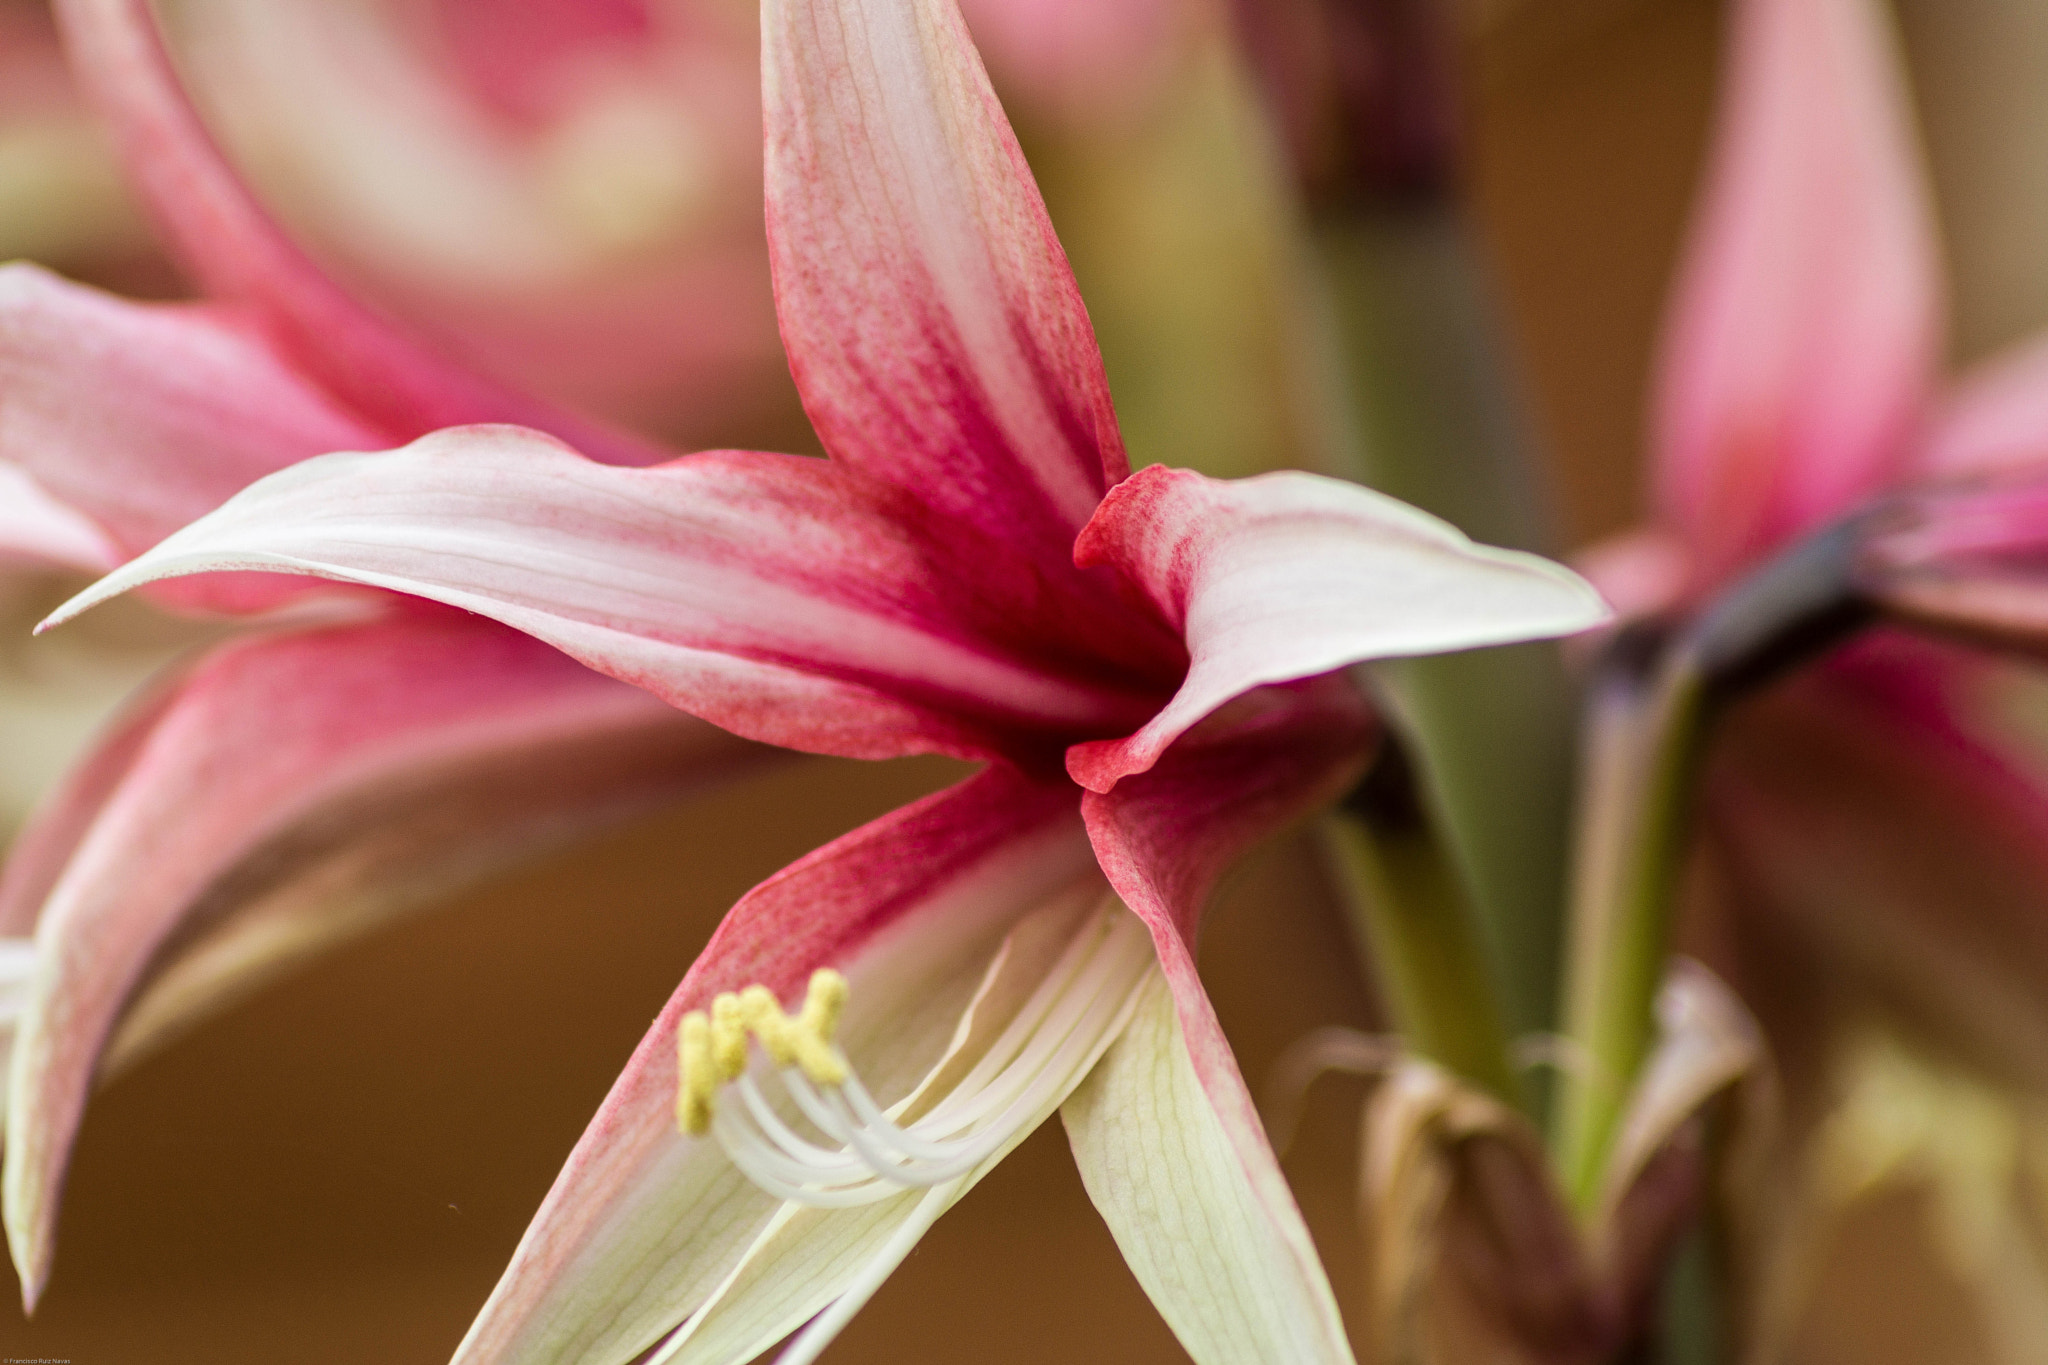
711,1051
823,1003
818,1058
728,1037
814,1026
696,1082
765,1019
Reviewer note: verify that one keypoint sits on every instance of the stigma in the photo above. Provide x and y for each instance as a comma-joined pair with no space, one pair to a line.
830,1144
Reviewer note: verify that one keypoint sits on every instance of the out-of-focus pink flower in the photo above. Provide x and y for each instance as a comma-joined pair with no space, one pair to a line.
1876,800
1147,663
1080,61
569,193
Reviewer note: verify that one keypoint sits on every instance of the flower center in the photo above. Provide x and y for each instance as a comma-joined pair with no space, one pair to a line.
859,1151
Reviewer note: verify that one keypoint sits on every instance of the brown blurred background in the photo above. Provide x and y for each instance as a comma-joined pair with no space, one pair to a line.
337,1170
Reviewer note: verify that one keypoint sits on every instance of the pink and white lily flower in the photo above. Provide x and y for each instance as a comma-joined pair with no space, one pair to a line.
1148,664
1876,801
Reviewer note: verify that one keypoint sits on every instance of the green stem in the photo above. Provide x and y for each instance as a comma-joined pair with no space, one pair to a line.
1645,729
1431,393
1643,748
1410,907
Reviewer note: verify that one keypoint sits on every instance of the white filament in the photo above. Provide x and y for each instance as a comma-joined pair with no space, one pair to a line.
863,1153
17,971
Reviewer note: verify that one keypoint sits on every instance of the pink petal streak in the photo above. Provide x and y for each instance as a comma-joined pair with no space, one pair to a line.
785,598
931,320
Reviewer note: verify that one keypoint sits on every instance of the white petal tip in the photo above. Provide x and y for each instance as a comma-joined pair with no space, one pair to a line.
77,606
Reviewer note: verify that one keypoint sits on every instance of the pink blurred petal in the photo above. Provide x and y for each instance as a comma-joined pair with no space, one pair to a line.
1084,60
239,254
1967,558
512,52
1808,316
42,850
569,192
1874,808
641,1225
1164,836
1641,573
143,417
1289,575
785,598
931,321
319,782
1994,420
133,419
36,528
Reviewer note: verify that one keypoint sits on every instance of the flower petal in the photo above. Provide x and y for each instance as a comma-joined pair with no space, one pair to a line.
1807,319
1465,1222
1162,838
1701,1127
290,791
1964,558
1289,575
399,386
569,192
1879,810
784,598
1641,572
43,848
829,1262
38,529
1468,1221
1995,420
142,417
931,320
644,1226
1222,1254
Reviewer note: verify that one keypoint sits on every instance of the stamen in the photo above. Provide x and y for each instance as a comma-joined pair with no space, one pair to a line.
728,1038
693,1096
18,958
867,1152
763,1015
823,1004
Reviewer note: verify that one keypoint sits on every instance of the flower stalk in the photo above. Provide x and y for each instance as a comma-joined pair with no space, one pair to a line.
1643,728
1409,906
1654,700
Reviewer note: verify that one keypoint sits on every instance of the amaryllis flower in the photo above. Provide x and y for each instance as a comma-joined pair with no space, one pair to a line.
570,192
297,783
1878,802
1147,664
